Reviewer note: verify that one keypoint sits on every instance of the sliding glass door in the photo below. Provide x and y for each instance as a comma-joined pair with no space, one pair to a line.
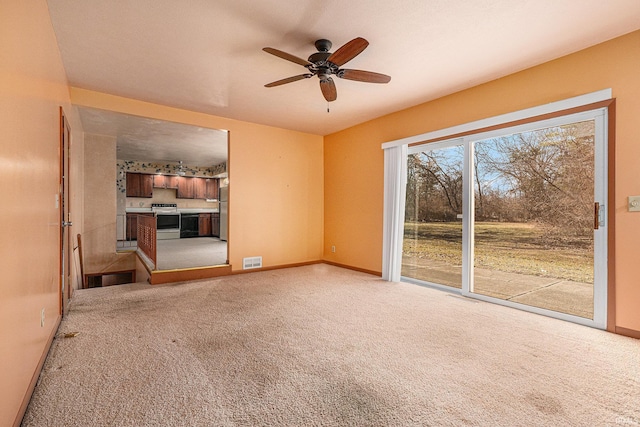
514,216
432,247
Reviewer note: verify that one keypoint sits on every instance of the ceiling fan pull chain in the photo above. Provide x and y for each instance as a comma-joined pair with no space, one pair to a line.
328,108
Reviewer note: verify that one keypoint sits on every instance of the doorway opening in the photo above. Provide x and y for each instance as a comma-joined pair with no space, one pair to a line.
172,173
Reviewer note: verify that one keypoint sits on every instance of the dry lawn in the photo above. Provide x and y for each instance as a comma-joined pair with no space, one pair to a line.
509,247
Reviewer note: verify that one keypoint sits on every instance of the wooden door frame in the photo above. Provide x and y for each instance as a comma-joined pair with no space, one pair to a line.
64,206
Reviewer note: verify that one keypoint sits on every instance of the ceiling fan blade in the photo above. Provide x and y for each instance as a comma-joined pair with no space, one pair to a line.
348,51
287,56
328,88
288,80
364,76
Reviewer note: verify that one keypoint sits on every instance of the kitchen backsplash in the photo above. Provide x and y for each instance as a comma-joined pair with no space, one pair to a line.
161,195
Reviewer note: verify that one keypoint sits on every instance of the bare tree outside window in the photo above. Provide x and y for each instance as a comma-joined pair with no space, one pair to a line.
544,177
533,206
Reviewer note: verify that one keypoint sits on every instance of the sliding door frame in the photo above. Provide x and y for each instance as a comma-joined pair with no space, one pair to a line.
584,107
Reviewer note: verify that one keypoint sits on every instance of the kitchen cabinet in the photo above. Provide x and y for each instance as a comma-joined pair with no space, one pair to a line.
211,190
132,225
159,181
165,181
186,189
204,224
199,188
215,224
139,185
172,181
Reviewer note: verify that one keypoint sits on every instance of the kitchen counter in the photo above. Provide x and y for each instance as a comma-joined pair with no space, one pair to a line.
138,210
185,210
212,210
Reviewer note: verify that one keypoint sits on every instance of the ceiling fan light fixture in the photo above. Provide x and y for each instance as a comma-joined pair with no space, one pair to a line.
324,64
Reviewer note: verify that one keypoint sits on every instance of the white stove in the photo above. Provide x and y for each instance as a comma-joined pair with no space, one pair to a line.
163,208
167,220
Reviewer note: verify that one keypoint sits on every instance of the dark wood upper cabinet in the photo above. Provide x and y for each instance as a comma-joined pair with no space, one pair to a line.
212,185
139,185
171,181
199,188
159,181
186,189
165,181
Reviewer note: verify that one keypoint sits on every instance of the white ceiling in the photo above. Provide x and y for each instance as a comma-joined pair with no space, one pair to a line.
206,55
151,140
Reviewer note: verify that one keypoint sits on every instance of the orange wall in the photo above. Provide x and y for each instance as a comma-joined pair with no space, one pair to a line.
32,88
275,182
354,158
278,207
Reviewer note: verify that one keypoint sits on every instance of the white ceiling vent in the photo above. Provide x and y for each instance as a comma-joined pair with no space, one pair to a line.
253,262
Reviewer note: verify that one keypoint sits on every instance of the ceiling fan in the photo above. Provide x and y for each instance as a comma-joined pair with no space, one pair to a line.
324,64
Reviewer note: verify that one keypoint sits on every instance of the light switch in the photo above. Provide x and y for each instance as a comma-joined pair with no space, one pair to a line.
634,203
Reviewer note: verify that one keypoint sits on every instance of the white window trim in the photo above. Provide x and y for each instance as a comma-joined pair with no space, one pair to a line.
565,104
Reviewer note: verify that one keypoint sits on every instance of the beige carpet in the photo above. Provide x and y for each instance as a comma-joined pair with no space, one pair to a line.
324,346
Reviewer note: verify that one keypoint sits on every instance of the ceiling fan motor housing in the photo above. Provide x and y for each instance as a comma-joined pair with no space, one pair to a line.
319,57
323,45
321,67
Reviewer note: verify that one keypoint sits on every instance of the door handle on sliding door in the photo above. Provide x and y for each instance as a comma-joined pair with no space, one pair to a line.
598,216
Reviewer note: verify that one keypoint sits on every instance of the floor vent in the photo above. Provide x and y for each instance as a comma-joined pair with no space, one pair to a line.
253,262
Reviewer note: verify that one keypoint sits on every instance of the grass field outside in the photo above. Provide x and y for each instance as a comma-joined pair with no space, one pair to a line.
509,247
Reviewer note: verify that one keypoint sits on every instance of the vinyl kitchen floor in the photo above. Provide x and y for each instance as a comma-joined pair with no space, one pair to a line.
191,252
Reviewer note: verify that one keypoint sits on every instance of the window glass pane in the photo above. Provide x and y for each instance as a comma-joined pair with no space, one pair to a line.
432,247
533,231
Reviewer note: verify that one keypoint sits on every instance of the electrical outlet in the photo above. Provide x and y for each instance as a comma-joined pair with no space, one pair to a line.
333,249
42,318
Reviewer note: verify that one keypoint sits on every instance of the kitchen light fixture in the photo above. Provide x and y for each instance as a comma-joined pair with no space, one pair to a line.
180,169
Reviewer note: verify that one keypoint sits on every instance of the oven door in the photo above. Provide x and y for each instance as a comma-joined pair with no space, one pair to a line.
168,221
189,225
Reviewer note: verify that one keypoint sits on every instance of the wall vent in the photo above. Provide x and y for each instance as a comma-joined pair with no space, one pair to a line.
253,262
